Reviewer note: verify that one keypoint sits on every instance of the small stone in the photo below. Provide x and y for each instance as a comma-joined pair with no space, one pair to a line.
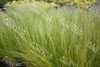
19,64
3,63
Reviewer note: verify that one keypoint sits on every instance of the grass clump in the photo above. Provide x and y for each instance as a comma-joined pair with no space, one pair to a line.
2,2
79,3
42,37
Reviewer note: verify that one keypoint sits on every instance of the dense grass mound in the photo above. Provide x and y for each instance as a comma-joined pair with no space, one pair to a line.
2,2
79,3
41,37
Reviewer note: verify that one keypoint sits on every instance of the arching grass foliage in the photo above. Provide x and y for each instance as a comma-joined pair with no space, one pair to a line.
41,37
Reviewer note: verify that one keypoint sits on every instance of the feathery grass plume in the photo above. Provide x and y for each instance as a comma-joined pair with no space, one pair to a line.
42,37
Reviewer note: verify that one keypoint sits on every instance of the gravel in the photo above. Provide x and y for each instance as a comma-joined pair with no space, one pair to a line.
95,8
